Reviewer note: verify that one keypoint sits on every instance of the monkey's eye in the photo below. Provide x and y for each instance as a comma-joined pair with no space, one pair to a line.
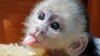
55,26
41,16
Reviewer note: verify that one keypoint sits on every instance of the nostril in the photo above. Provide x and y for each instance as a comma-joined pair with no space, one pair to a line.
42,32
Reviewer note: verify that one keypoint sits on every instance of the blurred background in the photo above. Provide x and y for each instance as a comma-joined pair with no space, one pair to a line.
14,12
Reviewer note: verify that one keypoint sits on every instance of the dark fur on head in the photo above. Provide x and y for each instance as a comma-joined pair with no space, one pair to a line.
91,48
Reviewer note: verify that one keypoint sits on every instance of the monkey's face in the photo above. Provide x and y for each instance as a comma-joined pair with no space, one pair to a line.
45,29
54,26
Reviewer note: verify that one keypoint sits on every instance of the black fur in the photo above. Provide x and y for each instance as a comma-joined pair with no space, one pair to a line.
90,49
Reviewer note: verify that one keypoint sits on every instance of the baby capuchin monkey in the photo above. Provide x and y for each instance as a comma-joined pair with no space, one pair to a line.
60,27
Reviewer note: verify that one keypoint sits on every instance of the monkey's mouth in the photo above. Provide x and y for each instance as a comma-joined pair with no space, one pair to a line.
30,40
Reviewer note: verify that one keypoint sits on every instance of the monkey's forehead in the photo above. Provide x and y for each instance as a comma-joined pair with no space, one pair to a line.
69,10
58,6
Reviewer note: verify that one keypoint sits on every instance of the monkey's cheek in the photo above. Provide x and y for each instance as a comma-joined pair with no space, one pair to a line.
29,40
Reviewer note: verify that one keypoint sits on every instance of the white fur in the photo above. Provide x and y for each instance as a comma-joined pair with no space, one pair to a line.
74,21
68,9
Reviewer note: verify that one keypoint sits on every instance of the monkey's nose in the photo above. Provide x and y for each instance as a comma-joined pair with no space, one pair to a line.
40,30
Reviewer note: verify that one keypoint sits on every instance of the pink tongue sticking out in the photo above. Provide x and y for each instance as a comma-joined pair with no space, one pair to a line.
29,40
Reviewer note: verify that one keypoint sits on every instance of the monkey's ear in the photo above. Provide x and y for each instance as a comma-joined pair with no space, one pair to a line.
77,47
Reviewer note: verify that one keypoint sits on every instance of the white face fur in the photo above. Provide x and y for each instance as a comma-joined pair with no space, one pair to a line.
57,24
